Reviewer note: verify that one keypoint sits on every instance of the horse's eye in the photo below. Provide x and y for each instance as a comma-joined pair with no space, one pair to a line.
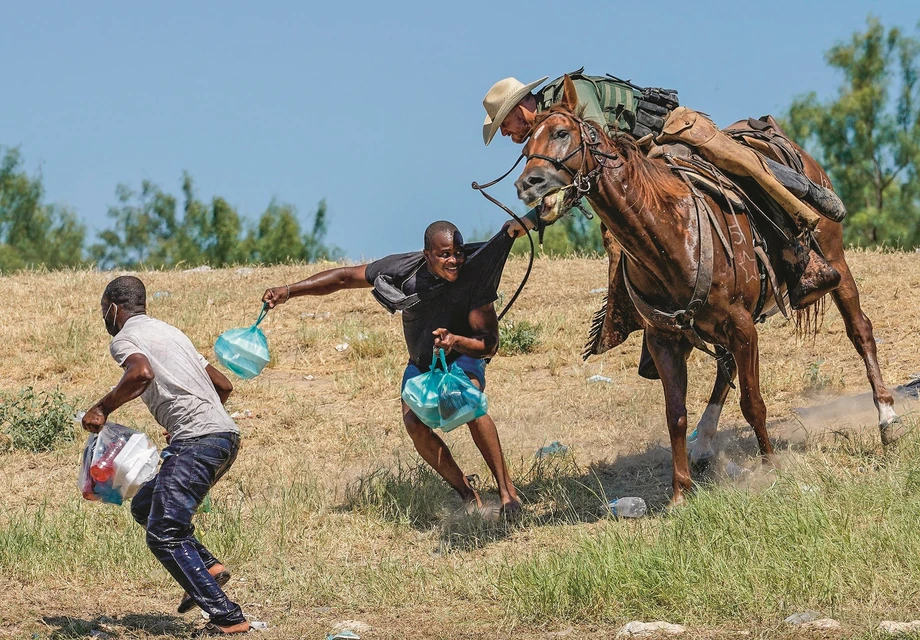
562,134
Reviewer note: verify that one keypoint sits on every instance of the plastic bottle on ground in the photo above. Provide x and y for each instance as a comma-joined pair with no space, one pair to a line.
630,507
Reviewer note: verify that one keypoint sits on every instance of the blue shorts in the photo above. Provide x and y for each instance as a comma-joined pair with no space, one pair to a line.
473,367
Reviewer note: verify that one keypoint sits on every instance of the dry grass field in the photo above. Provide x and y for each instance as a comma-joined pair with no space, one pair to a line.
327,516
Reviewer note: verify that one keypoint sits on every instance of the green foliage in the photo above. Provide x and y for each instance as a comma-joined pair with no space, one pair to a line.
518,337
148,230
31,421
827,539
33,233
572,235
868,137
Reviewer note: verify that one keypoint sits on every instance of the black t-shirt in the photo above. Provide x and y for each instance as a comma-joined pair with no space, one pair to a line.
450,306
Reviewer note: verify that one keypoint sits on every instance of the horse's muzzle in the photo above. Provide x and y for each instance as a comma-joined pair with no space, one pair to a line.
544,191
538,188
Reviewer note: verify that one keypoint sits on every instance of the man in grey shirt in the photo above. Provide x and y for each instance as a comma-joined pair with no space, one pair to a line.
185,394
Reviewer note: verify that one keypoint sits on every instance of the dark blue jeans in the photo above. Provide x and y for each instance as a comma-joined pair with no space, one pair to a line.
164,506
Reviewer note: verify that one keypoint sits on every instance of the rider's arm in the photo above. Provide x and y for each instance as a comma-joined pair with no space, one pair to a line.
322,283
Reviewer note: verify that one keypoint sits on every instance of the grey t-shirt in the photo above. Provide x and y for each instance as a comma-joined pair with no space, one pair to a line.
181,397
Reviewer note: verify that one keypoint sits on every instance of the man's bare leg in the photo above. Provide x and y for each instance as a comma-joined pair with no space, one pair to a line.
437,455
485,435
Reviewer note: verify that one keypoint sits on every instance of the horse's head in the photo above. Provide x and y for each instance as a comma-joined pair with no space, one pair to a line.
555,175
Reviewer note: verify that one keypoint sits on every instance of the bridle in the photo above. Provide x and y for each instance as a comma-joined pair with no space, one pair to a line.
588,146
581,182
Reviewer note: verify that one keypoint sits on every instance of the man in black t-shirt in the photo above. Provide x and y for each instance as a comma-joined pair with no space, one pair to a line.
446,304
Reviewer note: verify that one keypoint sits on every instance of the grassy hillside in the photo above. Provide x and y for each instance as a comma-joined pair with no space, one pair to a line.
327,515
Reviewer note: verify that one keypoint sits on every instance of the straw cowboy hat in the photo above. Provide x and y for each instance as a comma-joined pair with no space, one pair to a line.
501,99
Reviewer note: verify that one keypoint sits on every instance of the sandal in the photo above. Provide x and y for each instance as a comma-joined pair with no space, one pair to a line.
210,630
187,603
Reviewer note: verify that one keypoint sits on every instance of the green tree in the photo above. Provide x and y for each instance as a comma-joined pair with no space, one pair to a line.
868,137
33,233
209,234
146,229
277,237
149,230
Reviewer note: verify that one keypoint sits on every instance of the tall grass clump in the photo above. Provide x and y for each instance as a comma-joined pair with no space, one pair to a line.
35,421
410,495
516,337
844,543
74,538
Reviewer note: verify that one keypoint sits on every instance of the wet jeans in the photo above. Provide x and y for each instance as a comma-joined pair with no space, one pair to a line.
164,506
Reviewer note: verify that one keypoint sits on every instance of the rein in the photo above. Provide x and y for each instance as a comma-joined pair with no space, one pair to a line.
482,189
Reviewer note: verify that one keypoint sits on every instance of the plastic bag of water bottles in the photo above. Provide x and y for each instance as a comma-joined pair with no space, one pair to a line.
444,398
116,462
459,401
421,393
244,351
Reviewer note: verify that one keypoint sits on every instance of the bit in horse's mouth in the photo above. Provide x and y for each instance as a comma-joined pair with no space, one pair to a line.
552,206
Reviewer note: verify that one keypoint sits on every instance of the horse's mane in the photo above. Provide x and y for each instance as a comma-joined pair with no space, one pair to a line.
653,184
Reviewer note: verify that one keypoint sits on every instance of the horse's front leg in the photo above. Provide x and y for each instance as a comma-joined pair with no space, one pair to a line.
670,351
744,347
702,450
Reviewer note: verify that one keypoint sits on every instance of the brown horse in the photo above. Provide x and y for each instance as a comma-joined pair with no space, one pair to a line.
670,252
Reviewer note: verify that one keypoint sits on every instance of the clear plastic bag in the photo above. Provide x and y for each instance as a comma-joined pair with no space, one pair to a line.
116,462
444,398
244,351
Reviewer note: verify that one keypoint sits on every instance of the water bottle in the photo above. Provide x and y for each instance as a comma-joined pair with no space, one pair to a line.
104,468
628,507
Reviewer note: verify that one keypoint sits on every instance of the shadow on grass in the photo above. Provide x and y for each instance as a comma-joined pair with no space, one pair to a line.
65,627
556,491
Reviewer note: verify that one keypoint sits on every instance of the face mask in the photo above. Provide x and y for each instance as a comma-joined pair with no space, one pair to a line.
112,328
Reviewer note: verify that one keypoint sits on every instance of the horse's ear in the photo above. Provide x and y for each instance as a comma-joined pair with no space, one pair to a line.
569,94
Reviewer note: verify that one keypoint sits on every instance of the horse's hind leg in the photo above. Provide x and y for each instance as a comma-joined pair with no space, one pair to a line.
702,450
859,330
744,346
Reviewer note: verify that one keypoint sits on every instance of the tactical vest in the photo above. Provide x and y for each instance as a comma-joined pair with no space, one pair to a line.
627,108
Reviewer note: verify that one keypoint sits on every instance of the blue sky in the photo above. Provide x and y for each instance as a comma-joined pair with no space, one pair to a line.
376,107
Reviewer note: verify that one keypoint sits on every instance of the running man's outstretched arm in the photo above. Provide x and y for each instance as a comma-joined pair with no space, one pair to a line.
322,283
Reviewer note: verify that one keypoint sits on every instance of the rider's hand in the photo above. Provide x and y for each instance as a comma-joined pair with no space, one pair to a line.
444,339
94,419
514,229
275,296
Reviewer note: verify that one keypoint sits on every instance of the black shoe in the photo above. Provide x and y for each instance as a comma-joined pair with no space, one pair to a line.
187,603
826,202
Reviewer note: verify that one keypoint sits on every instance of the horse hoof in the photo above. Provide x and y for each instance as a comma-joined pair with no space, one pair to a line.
701,465
891,431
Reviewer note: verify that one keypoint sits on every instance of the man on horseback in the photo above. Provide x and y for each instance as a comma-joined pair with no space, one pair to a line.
654,119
